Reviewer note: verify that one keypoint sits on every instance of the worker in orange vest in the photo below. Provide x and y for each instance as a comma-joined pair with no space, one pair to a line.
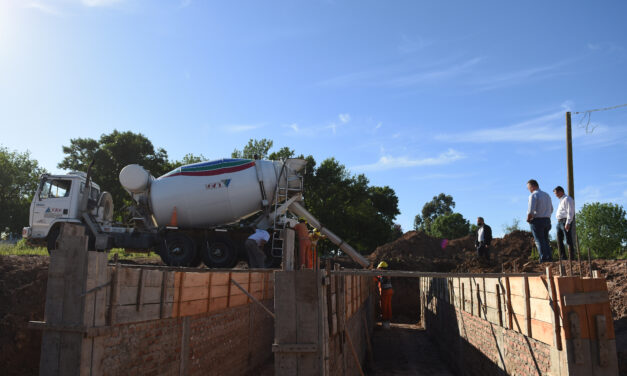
304,243
386,292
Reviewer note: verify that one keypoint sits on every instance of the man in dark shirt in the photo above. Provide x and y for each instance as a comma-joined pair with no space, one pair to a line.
484,238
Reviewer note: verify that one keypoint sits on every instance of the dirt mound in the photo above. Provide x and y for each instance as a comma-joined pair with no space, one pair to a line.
416,250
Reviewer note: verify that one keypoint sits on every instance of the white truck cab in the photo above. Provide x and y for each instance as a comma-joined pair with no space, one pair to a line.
57,201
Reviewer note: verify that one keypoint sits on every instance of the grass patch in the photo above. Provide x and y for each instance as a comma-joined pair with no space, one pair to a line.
22,249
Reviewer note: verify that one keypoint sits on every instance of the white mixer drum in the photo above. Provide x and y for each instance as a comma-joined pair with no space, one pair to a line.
212,193
135,178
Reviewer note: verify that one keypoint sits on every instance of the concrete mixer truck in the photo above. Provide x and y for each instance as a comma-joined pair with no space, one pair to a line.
202,212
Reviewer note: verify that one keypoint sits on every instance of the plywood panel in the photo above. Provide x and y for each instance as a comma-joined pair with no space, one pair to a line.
538,287
598,284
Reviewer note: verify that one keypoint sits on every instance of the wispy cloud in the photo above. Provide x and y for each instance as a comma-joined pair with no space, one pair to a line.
238,128
404,74
442,176
410,45
542,128
499,80
100,3
388,162
451,71
344,118
45,8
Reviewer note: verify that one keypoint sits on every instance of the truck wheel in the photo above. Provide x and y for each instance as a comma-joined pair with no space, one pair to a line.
51,240
178,250
219,252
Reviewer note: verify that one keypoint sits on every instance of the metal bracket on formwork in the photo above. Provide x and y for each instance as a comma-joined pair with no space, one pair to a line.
602,340
575,332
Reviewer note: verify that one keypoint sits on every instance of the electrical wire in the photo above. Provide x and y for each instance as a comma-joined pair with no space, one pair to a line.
588,115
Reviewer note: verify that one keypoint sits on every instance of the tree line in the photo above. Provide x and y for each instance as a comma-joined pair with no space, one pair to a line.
601,227
362,214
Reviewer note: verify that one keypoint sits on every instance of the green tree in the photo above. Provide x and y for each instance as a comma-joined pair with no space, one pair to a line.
515,226
450,226
110,154
602,228
439,205
259,148
19,175
360,214
189,158
283,153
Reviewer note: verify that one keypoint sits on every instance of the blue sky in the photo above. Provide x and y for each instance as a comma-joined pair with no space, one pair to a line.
466,98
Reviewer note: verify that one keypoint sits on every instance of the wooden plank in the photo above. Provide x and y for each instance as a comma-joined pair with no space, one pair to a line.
196,279
508,297
128,295
537,287
209,293
498,303
569,285
585,298
164,294
218,303
557,339
597,286
526,295
192,307
228,294
295,348
220,279
189,293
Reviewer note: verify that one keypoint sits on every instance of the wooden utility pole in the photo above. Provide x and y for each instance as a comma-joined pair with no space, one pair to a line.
571,189
569,157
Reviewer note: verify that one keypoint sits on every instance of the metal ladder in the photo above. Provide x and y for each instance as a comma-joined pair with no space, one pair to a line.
282,194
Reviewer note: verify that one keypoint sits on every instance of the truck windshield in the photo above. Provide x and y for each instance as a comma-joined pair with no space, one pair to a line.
55,188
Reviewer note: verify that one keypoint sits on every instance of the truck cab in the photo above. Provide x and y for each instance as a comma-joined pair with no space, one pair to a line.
57,200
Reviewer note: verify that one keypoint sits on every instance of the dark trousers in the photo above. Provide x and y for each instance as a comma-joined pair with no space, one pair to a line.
256,257
561,234
483,251
540,228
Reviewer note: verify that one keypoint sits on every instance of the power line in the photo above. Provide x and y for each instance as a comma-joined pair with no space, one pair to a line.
588,115
601,109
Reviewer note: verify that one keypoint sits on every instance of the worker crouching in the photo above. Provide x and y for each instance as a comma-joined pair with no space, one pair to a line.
385,292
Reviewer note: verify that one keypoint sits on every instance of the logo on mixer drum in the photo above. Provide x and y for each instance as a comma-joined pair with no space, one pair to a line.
224,183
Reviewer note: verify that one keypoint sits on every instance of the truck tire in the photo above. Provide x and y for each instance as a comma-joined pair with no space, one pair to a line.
219,252
51,240
178,250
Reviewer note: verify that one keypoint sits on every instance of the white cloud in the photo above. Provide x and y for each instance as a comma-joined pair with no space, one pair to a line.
100,3
548,127
495,81
344,118
388,162
434,75
295,127
237,128
409,45
44,8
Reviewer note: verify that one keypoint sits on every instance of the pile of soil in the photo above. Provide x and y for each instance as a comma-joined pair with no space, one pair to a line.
416,250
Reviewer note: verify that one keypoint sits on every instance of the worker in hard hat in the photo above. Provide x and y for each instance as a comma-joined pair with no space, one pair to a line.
304,244
315,237
385,292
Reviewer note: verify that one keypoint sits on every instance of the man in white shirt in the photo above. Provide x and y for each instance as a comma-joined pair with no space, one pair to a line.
565,215
254,247
539,217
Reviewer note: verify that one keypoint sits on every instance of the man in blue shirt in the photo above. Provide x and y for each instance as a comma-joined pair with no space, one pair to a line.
539,217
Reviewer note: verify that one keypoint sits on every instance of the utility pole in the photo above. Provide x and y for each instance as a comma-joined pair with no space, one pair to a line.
571,190
569,156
